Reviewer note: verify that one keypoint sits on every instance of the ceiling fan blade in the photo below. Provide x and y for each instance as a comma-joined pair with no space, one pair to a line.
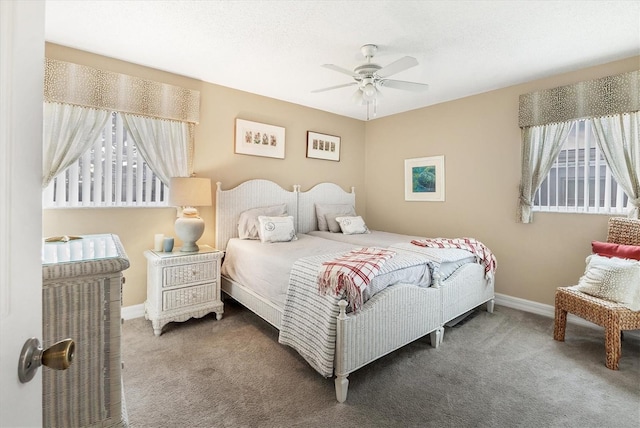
397,66
405,86
333,87
340,70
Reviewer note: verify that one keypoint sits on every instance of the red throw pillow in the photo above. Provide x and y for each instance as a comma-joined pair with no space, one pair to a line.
622,251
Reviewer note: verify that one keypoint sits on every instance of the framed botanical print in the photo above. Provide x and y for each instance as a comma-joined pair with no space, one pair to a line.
259,139
323,146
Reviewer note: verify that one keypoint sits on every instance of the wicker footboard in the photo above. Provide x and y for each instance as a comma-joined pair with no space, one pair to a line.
466,289
390,319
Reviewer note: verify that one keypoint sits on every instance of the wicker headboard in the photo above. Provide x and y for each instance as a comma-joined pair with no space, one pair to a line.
624,231
250,194
323,193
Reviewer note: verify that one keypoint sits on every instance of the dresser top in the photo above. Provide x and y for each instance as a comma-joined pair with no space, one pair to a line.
88,254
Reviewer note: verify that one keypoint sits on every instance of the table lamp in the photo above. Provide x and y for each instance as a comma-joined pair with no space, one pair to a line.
188,193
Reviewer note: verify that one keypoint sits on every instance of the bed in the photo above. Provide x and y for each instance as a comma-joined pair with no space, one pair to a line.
418,303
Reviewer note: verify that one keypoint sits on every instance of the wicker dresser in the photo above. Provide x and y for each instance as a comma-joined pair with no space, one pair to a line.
82,285
182,286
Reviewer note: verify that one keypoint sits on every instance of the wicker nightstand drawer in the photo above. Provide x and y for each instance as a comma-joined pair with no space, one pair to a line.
189,273
187,296
182,285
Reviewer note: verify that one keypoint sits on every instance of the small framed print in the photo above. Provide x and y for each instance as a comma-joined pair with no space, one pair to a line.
424,179
323,146
259,139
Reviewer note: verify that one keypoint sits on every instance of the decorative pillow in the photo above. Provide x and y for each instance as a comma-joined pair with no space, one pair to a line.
338,209
612,279
276,229
352,225
622,251
332,224
248,222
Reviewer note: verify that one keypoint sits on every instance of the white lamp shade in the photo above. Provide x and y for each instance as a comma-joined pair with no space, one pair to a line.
189,192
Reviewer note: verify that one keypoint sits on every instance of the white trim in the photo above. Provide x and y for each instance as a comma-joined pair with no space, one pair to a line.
131,312
548,311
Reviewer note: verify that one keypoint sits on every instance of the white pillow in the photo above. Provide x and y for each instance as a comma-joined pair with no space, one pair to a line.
352,225
276,229
248,222
612,279
334,209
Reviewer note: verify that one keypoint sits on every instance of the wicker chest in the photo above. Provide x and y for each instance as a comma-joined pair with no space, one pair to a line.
81,296
182,286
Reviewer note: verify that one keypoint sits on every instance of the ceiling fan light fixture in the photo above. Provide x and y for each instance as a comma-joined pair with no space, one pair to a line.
357,98
369,92
370,77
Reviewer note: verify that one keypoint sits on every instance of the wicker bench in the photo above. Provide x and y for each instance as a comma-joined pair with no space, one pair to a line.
614,317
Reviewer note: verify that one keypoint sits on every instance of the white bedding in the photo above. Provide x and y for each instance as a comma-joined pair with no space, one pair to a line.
266,268
446,260
376,238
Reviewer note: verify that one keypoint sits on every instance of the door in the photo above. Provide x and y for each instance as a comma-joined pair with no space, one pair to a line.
21,85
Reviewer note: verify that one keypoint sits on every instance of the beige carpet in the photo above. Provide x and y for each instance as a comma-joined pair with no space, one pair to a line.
493,370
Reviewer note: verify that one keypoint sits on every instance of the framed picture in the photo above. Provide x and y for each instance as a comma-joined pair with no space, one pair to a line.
323,146
259,139
424,179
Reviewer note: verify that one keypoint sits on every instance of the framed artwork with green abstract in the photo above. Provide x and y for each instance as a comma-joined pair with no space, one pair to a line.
424,179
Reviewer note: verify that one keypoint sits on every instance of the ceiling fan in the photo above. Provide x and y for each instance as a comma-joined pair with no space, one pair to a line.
369,77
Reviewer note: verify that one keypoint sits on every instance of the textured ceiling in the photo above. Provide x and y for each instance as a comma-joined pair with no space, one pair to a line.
276,48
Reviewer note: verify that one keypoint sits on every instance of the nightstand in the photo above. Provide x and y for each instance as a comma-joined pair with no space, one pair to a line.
182,285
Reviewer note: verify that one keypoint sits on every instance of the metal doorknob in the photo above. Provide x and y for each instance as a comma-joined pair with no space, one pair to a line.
58,356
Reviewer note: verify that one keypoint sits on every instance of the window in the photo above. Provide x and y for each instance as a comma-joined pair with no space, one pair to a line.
110,174
580,180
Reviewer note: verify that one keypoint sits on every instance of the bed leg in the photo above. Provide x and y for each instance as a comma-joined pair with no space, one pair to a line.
436,336
342,385
490,304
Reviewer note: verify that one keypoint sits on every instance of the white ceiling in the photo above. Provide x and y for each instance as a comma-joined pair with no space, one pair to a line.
276,48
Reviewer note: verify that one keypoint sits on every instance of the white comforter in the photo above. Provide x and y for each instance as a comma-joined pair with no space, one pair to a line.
265,268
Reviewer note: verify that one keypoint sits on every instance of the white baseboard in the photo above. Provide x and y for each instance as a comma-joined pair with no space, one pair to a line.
137,311
131,312
548,311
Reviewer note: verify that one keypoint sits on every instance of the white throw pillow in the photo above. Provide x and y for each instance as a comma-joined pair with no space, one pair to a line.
613,279
335,210
352,225
276,229
248,222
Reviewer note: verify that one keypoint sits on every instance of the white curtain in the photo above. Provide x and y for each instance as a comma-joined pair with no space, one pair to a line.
618,137
163,144
540,148
68,131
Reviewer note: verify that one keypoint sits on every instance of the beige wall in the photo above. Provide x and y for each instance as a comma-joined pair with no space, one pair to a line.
478,135
215,158
480,139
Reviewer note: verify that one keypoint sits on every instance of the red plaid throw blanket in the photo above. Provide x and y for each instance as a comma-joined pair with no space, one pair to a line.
351,273
476,247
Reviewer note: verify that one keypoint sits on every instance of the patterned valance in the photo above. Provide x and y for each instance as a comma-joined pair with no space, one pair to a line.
69,83
594,98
